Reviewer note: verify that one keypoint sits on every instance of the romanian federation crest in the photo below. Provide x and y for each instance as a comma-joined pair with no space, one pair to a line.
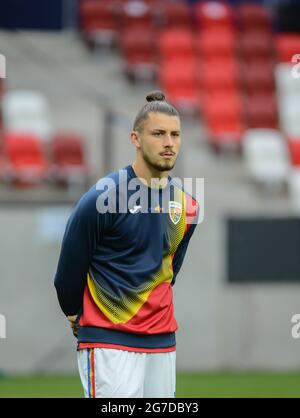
175,211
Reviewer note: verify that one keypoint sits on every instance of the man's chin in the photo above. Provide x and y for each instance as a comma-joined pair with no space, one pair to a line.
166,166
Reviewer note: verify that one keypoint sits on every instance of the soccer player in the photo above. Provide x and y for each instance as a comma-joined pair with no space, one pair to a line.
122,249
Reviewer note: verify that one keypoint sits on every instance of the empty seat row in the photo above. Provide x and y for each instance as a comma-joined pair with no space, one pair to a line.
26,160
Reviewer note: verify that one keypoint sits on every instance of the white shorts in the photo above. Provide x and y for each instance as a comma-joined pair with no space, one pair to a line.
113,373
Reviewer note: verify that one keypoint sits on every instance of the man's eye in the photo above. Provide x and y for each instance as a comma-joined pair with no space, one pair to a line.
157,134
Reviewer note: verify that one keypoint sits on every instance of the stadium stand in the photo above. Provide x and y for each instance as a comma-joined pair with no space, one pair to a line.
26,111
179,81
25,163
68,159
98,22
212,14
175,15
140,57
254,17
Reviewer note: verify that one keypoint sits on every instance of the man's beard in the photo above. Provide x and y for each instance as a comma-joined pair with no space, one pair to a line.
156,165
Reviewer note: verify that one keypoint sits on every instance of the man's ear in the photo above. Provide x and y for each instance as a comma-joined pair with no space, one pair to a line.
135,139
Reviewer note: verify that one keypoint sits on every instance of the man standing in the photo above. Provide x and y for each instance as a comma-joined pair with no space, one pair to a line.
122,249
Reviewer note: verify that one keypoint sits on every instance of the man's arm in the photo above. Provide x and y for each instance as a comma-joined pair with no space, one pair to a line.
192,208
81,236
180,252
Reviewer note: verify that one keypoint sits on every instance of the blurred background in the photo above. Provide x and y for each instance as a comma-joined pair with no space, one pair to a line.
77,72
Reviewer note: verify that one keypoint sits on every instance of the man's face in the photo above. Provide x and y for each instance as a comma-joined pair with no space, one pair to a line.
160,141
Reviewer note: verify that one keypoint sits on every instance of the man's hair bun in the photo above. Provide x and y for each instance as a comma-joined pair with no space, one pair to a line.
156,95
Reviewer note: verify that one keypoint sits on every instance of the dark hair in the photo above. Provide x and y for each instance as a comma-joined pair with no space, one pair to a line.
155,103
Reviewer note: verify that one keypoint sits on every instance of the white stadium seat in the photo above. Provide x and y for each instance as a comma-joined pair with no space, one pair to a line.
285,82
266,156
289,115
27,112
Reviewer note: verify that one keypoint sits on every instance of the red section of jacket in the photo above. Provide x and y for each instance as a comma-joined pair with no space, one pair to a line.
156,316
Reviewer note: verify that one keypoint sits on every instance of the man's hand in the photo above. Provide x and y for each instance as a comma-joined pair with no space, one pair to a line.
72,320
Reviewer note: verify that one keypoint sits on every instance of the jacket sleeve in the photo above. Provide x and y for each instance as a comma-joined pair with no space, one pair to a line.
193,216
180,252
82,234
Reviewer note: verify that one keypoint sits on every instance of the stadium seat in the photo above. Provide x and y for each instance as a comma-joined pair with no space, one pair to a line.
266,156
25,160
254,17
294,148
287,45
286,84
178,80
176,43
98,21
261,111
69,163
223,115
27,112
139,52
258,77
213,14
289,115
137,14
216,44
219,75
175,15
255,45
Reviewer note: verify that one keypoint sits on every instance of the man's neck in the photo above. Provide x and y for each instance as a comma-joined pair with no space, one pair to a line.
153,178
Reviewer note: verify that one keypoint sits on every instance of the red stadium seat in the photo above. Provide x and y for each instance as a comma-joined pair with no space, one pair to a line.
176,43
256,45
219,75
294,148
262,111
176,15
98,20
69,162
216,44
287,45
178,80
212,14
223,113
224,120
26,163
137,14
258,76
254,17
139,51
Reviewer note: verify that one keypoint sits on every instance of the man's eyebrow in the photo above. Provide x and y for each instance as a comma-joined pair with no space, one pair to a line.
164,130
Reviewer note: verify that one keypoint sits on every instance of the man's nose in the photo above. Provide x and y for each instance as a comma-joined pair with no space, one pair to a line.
168,141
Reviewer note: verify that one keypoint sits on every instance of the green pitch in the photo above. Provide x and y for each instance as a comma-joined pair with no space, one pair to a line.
188,385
